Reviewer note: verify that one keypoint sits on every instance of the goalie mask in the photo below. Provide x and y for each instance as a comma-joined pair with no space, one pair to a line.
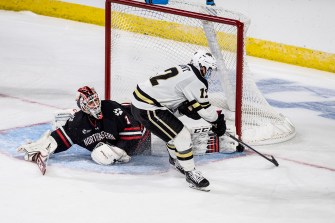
205,62
89,102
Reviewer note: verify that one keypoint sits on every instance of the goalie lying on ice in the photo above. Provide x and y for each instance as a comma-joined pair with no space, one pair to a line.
106,128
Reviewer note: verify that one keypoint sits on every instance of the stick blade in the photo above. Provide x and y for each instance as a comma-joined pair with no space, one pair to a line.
41,164
274,161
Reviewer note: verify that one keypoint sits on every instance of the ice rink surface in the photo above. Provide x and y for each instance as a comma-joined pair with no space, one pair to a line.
44,60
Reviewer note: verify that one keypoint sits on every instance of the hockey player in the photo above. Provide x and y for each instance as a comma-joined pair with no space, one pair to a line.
104,127
157,103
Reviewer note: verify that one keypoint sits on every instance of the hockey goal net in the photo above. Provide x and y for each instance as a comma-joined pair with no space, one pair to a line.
142,39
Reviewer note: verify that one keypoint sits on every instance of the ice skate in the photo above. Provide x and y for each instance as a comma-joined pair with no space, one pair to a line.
196,180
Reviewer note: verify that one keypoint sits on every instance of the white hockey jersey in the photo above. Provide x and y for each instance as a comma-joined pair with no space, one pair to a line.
170,88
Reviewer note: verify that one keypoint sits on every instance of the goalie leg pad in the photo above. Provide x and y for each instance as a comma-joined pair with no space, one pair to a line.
105,154
227,144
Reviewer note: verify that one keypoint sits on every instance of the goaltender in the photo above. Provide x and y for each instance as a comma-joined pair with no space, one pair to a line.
106,128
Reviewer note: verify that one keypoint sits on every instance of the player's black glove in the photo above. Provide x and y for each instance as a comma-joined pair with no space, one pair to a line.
219,126
187,108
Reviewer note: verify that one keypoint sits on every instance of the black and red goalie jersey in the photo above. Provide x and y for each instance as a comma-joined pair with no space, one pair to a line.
116,127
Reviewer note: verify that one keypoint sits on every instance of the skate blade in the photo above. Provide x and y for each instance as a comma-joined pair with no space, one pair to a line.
205,189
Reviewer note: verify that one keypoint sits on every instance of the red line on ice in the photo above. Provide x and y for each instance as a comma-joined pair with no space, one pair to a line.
29,101
308,164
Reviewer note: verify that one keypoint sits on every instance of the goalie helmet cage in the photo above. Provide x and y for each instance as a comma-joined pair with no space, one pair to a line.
142,39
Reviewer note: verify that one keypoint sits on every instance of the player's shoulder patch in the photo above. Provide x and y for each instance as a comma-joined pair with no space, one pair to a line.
107,106
118,111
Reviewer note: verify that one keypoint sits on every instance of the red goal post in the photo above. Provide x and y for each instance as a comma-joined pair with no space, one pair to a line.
142,39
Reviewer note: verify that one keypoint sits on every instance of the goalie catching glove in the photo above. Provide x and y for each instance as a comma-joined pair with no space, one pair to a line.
106,154
190,109
45,146
219,126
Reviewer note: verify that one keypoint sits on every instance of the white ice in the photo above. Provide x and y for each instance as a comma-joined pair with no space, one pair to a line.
44,60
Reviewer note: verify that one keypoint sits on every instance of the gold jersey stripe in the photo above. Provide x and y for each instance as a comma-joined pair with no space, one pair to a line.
143,98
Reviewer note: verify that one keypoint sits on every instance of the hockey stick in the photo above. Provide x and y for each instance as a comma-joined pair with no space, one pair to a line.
41,164
272,160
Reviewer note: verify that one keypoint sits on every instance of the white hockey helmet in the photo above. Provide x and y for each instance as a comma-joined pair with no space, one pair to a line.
89,102
205,62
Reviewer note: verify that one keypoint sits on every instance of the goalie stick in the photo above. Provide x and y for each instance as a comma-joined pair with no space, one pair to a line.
272,160
42,164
